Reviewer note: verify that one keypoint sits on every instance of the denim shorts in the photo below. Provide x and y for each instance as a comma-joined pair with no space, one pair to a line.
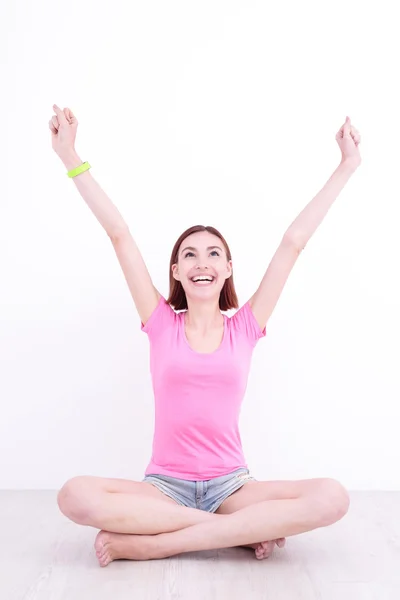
204,495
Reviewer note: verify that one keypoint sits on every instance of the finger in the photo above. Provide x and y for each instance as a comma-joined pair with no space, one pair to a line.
347,127
62,119
52,128
355,135
344,130
55,122
70,115
339,134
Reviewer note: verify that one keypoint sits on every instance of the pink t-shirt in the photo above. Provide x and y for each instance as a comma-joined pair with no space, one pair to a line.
198,396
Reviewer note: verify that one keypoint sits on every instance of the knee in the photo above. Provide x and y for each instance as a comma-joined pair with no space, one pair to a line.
332,501
73,499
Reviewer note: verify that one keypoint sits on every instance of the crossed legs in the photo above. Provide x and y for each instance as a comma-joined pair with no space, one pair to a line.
156,527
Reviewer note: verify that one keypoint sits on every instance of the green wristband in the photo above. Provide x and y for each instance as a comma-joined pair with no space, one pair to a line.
83,167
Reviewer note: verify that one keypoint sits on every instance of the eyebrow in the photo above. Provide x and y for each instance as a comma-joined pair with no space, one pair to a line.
193,248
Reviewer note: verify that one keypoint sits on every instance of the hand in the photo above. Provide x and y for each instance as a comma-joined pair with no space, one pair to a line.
348,139
63,126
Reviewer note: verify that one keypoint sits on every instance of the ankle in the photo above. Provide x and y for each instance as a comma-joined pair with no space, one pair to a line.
158,546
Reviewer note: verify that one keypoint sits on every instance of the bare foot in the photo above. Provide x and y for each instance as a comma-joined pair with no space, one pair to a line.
113,546
265,549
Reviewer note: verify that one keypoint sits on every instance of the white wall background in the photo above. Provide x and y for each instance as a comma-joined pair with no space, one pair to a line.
214,112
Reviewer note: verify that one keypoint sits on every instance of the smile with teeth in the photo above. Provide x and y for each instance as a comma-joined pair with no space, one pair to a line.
202,279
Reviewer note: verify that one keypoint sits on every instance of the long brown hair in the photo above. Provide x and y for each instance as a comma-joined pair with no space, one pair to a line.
177,298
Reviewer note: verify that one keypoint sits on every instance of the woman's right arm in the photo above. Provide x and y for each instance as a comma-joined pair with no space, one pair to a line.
144,293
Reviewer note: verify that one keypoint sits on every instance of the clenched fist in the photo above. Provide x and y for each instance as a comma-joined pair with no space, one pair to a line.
63,126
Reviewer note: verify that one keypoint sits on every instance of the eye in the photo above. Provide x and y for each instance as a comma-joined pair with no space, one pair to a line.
187,253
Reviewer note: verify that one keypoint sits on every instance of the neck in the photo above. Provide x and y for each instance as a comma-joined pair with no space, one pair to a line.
203,314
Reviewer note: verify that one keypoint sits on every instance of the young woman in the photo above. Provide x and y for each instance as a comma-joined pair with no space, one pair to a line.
197,492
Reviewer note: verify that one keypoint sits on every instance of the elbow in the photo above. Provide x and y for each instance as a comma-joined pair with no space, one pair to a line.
118,233
295,240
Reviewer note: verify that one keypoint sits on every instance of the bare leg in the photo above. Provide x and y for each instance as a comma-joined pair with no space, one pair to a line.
258,491
124,506
121,507
268,520
264,521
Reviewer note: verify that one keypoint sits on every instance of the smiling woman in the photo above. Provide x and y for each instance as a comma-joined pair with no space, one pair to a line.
201,251
197,492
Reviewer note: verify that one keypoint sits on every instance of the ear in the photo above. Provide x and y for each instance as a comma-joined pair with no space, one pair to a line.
175,273
229,269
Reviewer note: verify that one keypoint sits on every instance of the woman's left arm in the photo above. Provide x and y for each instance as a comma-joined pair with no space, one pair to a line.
300,231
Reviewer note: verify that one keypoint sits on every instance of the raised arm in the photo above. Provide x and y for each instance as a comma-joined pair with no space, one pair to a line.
300,231
145,296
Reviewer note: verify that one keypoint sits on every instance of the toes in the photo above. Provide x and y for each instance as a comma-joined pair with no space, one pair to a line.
268,546
100,541
102,548
101,551
264,550
105,561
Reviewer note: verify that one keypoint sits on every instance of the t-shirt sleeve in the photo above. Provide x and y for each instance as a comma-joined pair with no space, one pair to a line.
245,322
160,319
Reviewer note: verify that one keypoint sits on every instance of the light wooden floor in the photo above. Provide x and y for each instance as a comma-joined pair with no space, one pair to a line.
43,556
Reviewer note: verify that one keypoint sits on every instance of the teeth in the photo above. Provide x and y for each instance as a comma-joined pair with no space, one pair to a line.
202,279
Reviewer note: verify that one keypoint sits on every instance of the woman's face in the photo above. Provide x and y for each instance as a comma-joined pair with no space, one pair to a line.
202,254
